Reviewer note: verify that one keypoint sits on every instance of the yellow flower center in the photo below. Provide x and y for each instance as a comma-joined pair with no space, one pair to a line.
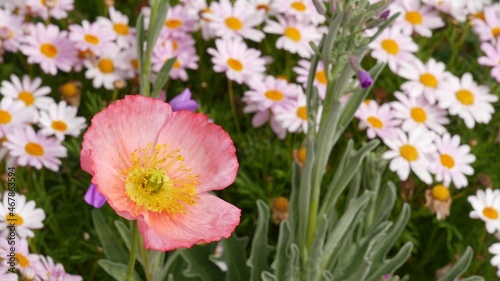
465,97
22,260
34,149
5,117
59,126
135,63
375,122
92,39
27,97
235,64
49,50
302,112
418,114
150,185
234,23
280,204
495,31
414,17
274,95
173,23
440,192
292,33
490,213
428,80
299,6
16,219
321,77
390,46
177,64
121,28
408,152
106,66
447,161
69,89
302,154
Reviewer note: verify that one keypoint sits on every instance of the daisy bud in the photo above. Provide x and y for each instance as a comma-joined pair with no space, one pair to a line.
109,3
93,197
119,84
365,80
71,92
279,208
385,15
299,155
484,180
183,101
438,200
320,7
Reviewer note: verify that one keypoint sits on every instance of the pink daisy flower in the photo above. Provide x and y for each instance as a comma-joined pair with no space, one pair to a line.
379,120
128,59
25,261
14,114
47,270
29,91
417,18
320,78
11,30
50,48
182,50
240,20
57,9
92,37
489,29
178,22
161,179
293,117
451,161
271,93
393,47
118,23
492,58
301,10
35,149
240,63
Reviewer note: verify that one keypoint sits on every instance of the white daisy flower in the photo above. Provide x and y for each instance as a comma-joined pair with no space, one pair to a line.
271,93
128,59
11,30
24,216
302,10
486,205
240,63
239,20
262,5
35,149
178,22
470,101
294,116
418,113
410,152
14,114
295,36
182,50
416,17
118,23
450,162
378,119
455,8
57,9
494,249
24,260
28,91
61,120
488,29
393,47
425,79
320,78
105,70
92,37
46,267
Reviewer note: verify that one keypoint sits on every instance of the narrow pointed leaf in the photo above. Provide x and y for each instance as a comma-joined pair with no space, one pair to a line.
162,77
113,250
260,249
117,270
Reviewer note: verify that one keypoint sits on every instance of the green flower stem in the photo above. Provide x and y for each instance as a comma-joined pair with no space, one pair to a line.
133,251
233,106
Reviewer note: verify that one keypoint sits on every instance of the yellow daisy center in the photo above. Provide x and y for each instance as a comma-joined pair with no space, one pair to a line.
490,213
447,161
263,7
173,23
16,219
495,31
465,97
235,64
414,17
27,97
390,46
34,149
440,192
234,23
321,77
280,204
177,64
302,154
149,185
5,117
274,95
408,152
49,50
135,63
299,6
69,89
292,33
92,39
302,112
106,66
121,28
22,260
375,122
428,80
59,126
418,114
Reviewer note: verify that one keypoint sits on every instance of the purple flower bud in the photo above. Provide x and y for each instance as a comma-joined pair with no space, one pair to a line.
385,15
93,197
183,101
364,79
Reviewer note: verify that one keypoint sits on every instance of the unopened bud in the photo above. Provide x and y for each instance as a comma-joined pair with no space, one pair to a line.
109,3
364,78
119,84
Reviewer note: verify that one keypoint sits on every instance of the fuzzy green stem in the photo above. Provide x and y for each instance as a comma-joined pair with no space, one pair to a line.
233,106
133,251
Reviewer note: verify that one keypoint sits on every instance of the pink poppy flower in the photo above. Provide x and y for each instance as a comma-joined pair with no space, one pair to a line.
160,174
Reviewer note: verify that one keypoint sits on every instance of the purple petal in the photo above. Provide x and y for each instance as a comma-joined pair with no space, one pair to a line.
93,197
385,15
183,101
364,79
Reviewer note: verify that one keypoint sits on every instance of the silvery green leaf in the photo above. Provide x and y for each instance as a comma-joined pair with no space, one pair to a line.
266,276
235,257
156,26
459,267
199,265
282,259
113,250
294,194
473,278
165,269
317,247
260,249
124,231
391,265
304,194
385,203
117,270
326,50
162,77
